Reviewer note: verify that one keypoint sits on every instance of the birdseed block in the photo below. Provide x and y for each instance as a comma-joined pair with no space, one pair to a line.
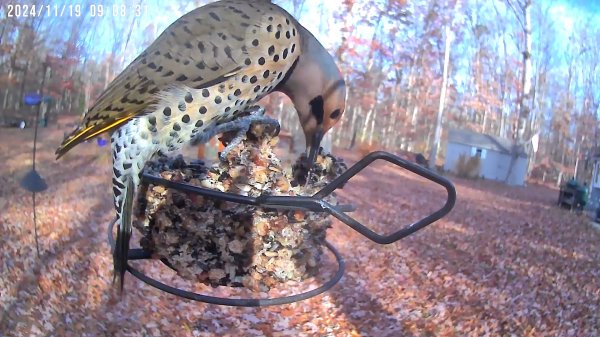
228,244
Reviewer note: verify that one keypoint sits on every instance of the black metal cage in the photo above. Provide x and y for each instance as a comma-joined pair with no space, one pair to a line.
314,203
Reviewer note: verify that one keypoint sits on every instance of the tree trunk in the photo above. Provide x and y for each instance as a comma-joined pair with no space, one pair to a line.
353,127
3,30
577,160
485,116
22,88
437,135
372,128
363,134
5,101
525,104
504,88
525,97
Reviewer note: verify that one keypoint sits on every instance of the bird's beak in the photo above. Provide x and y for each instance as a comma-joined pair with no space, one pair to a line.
313,147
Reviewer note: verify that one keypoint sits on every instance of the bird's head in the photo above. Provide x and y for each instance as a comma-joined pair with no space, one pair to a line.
324,111
317,90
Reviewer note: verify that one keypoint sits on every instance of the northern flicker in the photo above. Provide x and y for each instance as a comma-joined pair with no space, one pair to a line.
201,77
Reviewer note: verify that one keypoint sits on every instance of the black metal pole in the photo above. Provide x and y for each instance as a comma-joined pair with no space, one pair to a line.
35,133
37,244
39,110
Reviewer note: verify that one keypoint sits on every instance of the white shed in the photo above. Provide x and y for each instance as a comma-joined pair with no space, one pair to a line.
495,154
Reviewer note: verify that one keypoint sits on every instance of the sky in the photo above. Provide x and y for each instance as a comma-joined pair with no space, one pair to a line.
585,5
565,14
161,16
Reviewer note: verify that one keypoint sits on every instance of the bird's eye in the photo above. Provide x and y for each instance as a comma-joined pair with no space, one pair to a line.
335,114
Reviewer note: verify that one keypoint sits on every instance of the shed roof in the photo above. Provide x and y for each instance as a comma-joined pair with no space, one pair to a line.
481,140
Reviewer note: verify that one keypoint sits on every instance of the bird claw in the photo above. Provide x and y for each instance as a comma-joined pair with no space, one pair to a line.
223,154
235,141
242,125
256,110
276,129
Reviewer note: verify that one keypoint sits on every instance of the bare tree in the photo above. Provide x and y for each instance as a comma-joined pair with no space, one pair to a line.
522,11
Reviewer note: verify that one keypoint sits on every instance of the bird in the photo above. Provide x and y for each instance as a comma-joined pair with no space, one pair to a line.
201,77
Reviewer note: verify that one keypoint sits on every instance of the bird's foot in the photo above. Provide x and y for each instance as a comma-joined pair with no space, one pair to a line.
237,139
241,127
257,112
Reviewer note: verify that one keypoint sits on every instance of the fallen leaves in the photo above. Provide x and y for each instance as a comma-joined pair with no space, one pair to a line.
505,262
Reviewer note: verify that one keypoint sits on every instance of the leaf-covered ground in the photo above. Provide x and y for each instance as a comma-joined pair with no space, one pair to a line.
505,262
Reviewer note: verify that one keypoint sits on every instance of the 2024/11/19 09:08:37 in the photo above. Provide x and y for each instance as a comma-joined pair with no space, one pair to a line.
74,10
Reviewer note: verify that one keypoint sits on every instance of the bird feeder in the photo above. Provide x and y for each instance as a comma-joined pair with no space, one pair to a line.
314,203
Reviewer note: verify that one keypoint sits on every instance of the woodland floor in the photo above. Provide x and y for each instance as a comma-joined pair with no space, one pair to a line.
505,261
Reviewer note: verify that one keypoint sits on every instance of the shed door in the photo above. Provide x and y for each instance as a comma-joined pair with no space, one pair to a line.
503,163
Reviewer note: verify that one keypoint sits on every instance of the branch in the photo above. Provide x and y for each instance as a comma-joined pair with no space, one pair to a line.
510,4
131,29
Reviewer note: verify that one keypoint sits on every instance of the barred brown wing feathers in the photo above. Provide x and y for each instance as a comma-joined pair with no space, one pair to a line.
202,48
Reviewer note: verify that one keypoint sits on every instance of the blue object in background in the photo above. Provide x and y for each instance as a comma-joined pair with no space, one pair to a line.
32,98
101,142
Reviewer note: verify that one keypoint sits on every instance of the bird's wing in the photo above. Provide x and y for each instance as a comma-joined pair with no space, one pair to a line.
201,49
